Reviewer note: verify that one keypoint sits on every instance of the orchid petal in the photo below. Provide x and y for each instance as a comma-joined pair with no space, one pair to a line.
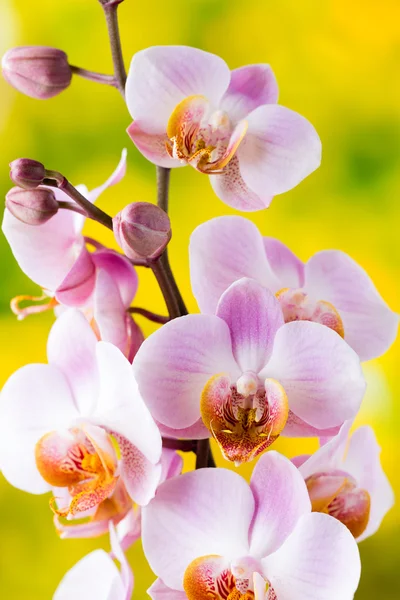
321,374
71,347
152,146
181,357
280,149
162,76
185,521
159,591
47,252
231,188
330,456
121,270
281,498
318,561
253,316
370,327
120,407
35,400
251,86
109,312
285,265
222,251
126,571
94,576
78,284
296,427
363,463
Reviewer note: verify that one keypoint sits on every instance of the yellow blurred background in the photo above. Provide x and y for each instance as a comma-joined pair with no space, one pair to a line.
337,64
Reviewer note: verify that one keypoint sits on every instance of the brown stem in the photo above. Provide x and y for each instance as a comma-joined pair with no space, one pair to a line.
71,206
182,445
111,14
136,310
163,281
203,452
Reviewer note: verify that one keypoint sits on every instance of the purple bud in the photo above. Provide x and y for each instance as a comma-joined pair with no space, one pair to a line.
37,71
33,207
142,230
27,173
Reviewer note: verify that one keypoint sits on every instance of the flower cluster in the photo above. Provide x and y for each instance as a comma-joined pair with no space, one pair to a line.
275,351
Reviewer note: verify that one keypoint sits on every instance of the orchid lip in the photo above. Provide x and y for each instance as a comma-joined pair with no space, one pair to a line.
297,305
201,137
244,424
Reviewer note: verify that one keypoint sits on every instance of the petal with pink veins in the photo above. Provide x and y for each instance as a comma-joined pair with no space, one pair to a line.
197,431
185,521
222,251
71,347
162,76
363,463
152,146
35,400
251,86
296,427
253,316
231,188
320,373
281,498
280,149
181,357
120,407
370,327
330,456
318,561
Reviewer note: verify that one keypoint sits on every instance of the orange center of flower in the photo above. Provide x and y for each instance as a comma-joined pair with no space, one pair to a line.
207,578
77,461
336,493
298,306
202,138
244,418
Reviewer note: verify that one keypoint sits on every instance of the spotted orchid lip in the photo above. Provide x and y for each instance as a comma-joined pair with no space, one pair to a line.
243,426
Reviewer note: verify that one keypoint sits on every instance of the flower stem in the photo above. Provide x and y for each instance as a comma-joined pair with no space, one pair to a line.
93,76
111,14
164,282
71,206
163,180
204,455
136,310
182,445
55,179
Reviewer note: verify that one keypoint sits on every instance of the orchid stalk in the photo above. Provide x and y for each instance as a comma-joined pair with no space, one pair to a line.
275,351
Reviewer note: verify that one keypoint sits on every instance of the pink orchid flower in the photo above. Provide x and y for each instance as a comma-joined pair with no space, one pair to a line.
239,539
54,255
245,376
78,423
345,479
331,288
97,576
190,108
118,509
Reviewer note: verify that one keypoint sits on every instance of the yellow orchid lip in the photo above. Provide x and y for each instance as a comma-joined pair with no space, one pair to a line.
208,578
243,426
195,135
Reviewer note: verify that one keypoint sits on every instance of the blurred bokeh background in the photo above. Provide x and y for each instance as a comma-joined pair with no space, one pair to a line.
337,63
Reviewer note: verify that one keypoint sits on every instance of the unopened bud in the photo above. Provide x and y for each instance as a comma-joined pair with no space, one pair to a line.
37,71
143,230
33,207
27,173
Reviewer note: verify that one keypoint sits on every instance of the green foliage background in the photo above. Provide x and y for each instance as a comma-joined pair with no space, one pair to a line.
336,63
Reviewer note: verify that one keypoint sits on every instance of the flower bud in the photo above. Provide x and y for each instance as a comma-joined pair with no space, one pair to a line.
37,71
27,173
33,207
142,230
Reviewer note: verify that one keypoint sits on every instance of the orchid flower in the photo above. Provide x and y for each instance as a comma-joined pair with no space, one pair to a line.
331,288
78,423
54,255
239,539
118,509
189,108
97,576
345,479
247,375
